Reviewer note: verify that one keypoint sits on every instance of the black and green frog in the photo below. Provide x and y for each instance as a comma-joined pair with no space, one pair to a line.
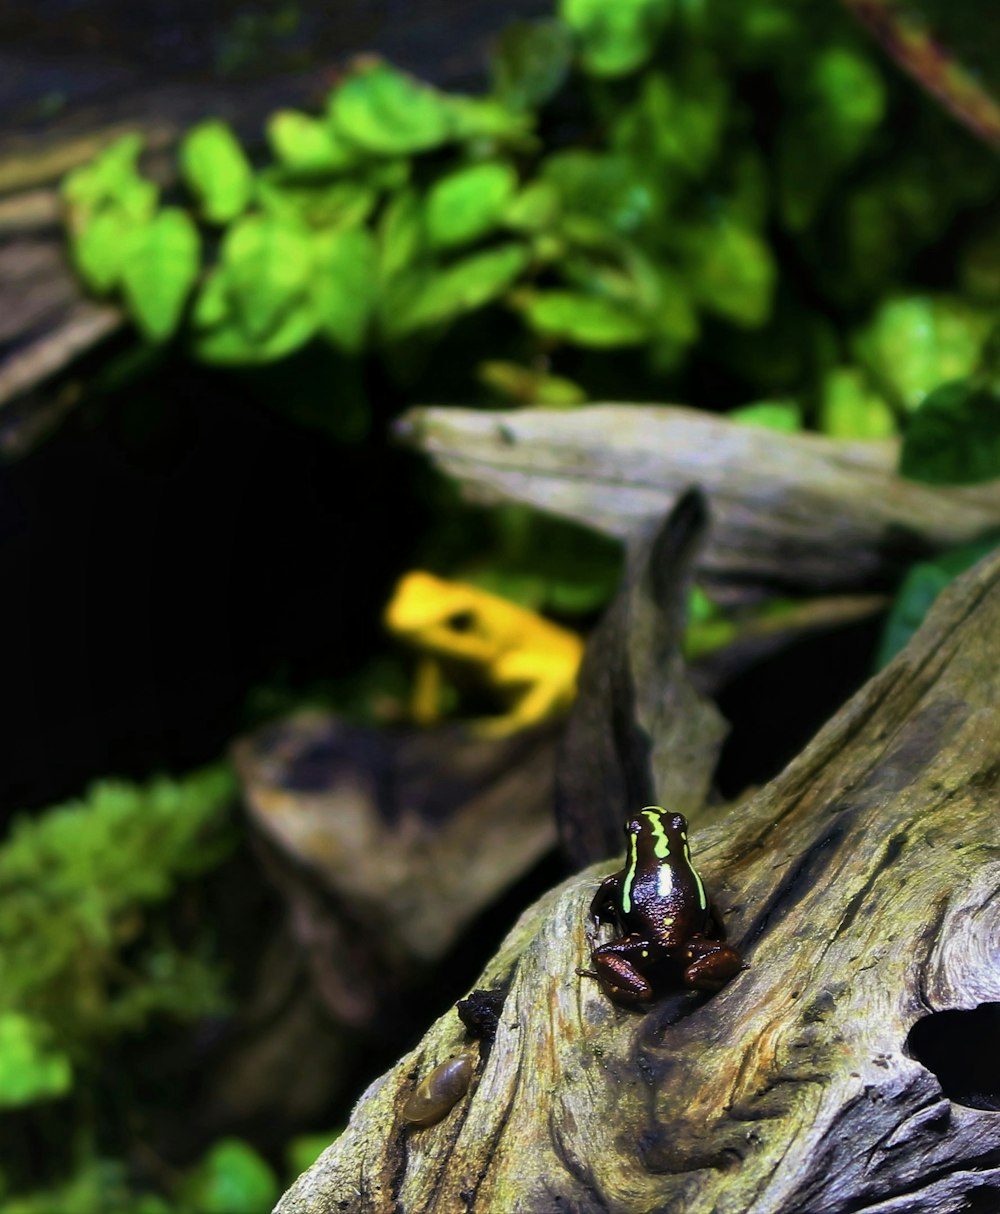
670,934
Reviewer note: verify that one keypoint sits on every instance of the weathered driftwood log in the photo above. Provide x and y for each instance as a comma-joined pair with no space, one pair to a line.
392,842
792,513
638,729
863,885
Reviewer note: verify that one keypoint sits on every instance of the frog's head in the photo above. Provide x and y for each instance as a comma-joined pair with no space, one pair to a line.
441,617
655,833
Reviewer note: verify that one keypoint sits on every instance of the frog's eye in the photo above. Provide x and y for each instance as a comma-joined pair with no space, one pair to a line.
461,621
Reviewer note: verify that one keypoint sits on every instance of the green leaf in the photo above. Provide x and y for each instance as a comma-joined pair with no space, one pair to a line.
677,121
605,188
231,1179
468,203
425,298
953,437
216,170
302,142
839,104
388,113
162,263
584,319
851,408
783,415
731,272
99,249
615,38
531,62
921,586
228,345
338,204
268,261
528,386
916,342
484,120
111,177
344,285
302,1151
401,234
534,209
30,1068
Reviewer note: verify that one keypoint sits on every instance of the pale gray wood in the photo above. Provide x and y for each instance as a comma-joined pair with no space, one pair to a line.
862,884
796,513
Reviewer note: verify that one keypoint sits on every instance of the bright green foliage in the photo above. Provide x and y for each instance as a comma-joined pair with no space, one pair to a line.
30,1068
74,883
702,182
161,264
851,408
308,144
111,178
267,261
585,319
231,1179
100,1187
316,206
388,113
344,285
916,342
732,272
842,103
303,1151
428,298
783,415
617,38
468,203
106,200
525,386
99,250
953,436
216,171
921,586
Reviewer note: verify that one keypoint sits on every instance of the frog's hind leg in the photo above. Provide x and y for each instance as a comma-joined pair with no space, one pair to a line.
617,967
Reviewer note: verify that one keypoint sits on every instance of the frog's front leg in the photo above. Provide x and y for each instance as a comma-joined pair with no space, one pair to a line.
605,903
425,699
540,685
617,967
709,964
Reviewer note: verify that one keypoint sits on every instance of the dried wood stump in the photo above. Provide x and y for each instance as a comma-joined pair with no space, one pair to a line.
862,884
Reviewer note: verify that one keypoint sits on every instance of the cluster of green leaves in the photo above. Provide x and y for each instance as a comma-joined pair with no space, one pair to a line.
81,959
618,187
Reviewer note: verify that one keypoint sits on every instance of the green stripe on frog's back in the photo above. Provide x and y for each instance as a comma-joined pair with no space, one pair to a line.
702,896
661,849
633,860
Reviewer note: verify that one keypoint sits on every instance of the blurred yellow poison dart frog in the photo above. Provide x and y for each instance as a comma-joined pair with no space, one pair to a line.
479,639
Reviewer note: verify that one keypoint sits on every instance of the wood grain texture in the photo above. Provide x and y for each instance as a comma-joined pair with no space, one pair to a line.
863,885
792,513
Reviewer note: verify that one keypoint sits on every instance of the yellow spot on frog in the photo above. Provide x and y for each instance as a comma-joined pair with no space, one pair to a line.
668,920
469,635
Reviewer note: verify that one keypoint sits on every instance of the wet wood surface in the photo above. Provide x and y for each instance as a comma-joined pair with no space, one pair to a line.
862,885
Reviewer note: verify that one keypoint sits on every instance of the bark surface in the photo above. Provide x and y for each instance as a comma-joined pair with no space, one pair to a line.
862,884
791,513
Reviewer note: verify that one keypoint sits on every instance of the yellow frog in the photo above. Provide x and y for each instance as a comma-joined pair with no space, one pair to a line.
471,635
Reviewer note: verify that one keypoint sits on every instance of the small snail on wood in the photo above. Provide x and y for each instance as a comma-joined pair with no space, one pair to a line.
438,1093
